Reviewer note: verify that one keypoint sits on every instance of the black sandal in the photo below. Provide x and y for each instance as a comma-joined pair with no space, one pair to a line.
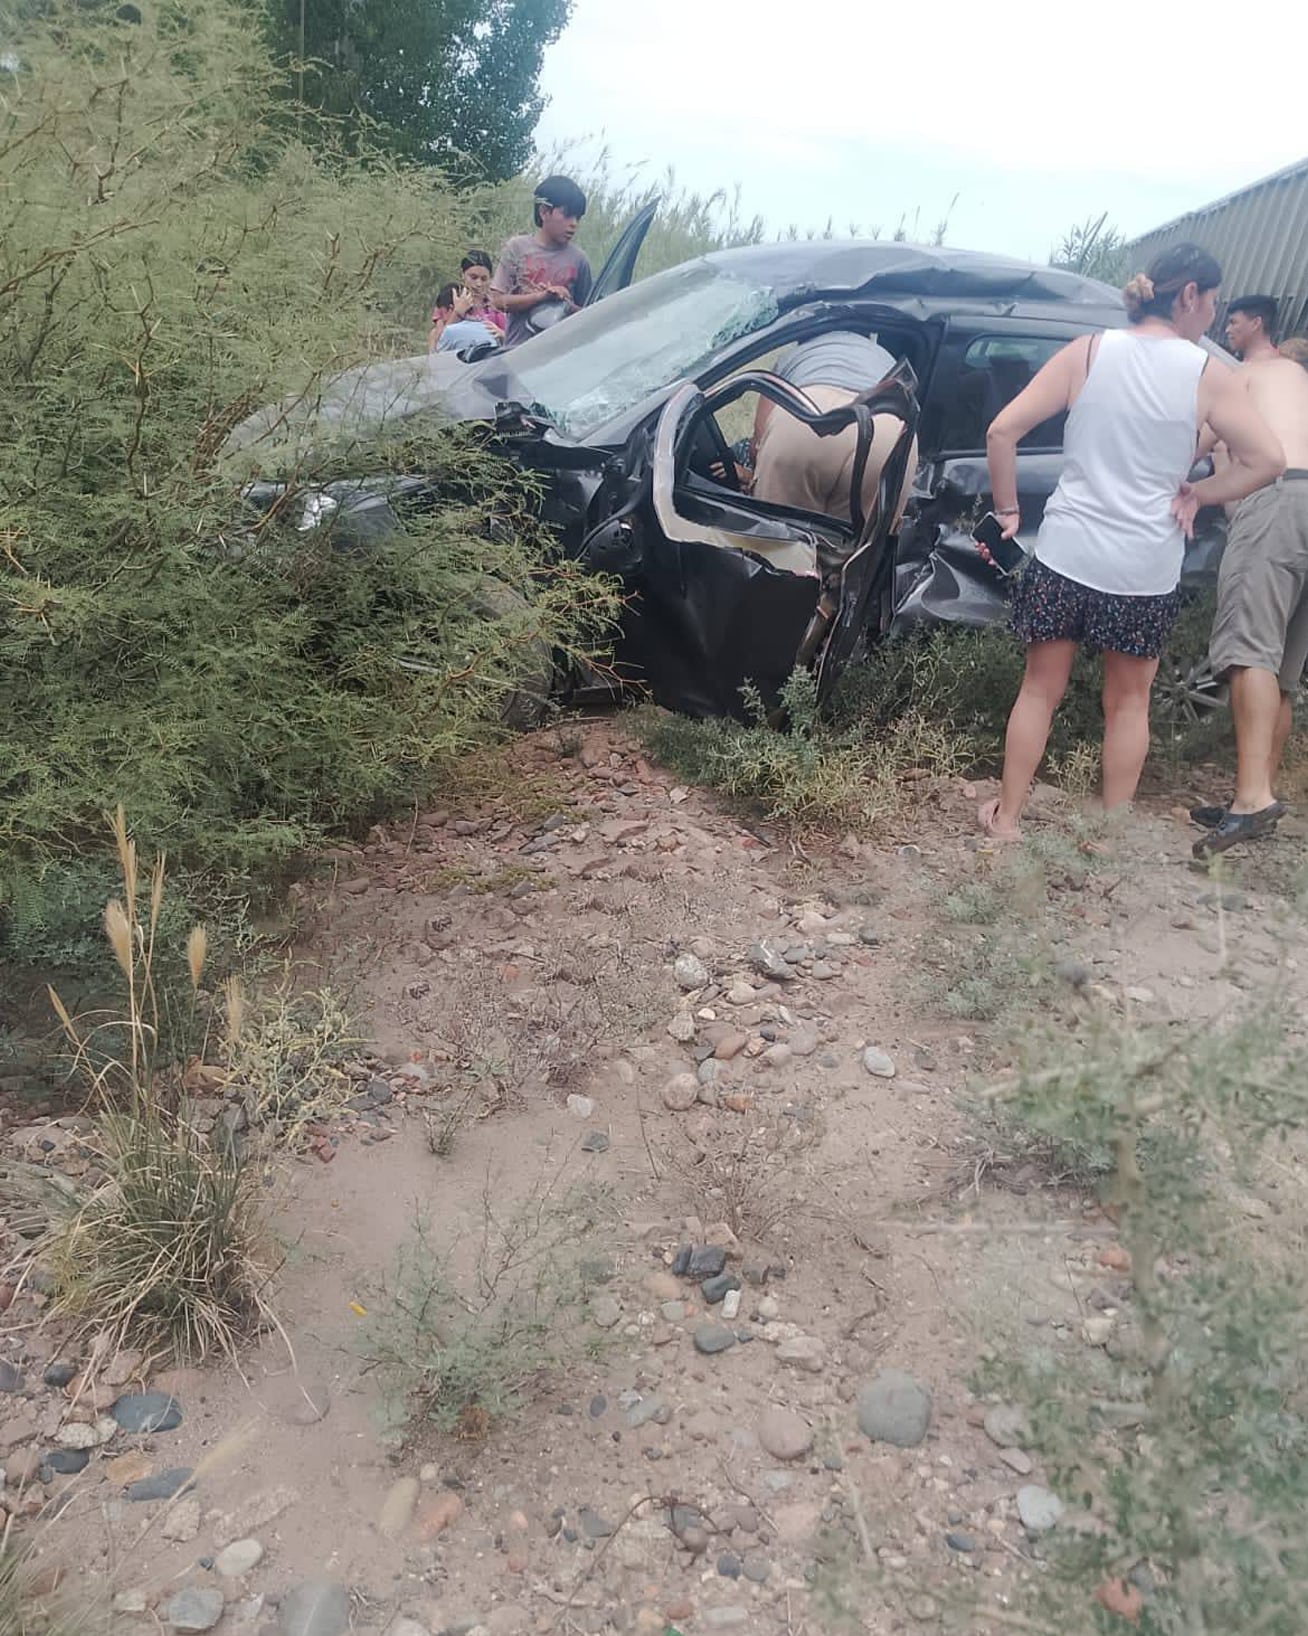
1236,827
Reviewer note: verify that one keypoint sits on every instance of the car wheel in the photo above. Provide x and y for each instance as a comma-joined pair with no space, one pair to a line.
526,702
1186,694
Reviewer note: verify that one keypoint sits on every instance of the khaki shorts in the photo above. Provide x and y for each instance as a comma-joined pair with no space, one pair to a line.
1262,586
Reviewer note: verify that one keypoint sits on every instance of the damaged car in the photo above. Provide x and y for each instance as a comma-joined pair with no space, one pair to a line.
633,416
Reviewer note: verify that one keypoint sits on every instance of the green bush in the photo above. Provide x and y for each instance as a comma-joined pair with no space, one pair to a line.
964,681
805,771
168,261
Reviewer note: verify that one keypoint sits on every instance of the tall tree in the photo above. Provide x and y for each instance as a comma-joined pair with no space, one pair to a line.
433,80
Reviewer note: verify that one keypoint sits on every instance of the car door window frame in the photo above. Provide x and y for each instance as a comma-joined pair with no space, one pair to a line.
960,337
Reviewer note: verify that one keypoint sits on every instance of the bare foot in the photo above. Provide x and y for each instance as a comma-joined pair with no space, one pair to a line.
988,817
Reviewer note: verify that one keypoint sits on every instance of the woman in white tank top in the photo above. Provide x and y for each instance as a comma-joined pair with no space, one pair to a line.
1107,561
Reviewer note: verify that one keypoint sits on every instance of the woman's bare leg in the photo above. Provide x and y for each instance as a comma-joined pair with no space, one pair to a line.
1048,666
1127,682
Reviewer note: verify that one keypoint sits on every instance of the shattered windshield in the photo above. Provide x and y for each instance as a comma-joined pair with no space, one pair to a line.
604,360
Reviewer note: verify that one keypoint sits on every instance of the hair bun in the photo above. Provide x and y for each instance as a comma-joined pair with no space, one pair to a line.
1139,291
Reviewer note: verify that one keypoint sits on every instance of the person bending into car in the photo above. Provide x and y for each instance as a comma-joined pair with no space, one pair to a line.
542,276
1107,561
795,467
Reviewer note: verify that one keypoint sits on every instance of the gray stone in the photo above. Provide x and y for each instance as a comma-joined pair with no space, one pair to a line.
1007,1427
593,1526
770,964
316,1607
595,1141
690,972
804,1352
1016,1461
878,1063
605,1311
1074,972
162,1486
681,1093
960,1542
239,1558
198,1607
729,1565
713,1289
757,1568
894,1408
729,1618
65,1462
59,1373
148,1412
1038,1508
783,1433
706,1262
11,1378
640,1414
710,1338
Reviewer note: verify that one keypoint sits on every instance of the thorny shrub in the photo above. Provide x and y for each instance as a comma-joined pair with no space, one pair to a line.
169,262
469,1329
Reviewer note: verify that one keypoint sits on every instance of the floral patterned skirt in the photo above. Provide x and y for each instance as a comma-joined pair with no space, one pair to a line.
1047,607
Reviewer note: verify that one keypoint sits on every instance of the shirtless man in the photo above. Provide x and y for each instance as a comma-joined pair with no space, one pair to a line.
1260,635
1250,321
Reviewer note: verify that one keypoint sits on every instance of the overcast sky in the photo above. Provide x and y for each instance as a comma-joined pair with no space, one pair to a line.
1035,115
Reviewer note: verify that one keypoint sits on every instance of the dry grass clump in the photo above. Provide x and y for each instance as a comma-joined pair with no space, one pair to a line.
167,1250
285,1056
811,772
744,1173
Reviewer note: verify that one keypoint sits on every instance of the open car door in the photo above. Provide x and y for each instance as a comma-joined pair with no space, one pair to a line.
620,265
727,594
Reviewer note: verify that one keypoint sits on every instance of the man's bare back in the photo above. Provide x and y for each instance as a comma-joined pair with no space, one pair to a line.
1278,388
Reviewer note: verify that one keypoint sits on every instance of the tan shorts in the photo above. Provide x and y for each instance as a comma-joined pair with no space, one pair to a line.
795,467
1262,586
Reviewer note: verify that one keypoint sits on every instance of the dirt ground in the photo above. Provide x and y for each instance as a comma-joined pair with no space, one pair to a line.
543,997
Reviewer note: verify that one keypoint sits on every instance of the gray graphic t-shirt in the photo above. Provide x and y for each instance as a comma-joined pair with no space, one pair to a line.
525,262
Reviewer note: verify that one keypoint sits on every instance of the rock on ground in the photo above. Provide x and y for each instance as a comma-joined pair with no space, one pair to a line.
895,1408
1007,1427
239,1559
317,1607
784,1434
1038,1508
195,1608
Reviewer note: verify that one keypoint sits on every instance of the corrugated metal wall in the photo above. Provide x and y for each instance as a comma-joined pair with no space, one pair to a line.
1260,236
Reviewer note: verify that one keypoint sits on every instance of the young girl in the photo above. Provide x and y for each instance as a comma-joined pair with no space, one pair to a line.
471,301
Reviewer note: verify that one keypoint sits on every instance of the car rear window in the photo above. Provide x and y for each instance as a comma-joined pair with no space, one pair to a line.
991,373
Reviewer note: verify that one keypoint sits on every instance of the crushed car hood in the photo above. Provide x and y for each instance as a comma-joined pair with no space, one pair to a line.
365,403
372,400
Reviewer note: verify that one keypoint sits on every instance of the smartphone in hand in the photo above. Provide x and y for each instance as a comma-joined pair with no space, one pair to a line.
1006,556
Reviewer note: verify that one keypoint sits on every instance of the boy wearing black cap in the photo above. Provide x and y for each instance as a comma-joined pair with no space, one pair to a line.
543,273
